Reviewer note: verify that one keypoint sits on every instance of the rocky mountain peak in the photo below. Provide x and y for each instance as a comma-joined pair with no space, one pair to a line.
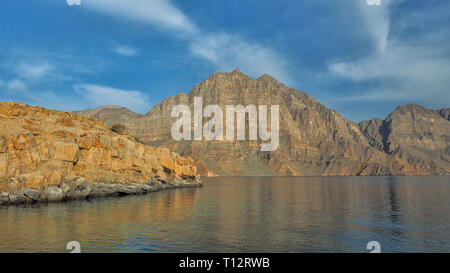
411,107
229,76
414,133
445,113
267,78
314,140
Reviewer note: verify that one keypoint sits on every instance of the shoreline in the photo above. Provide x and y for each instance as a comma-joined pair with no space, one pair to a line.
87,191
381,175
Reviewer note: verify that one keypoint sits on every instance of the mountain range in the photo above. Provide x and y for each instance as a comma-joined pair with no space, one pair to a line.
314,140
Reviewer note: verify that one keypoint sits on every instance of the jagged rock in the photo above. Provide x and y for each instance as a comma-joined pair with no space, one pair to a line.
17,198
415,134
445,113
50,155
53,194
34,195
4,199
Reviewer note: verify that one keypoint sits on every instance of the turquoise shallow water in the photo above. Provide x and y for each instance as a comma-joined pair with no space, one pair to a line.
246,214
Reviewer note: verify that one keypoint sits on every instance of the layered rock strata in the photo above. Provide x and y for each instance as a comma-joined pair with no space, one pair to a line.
314,140
50,155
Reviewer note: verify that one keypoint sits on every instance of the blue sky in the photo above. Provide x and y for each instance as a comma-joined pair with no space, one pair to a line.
359,59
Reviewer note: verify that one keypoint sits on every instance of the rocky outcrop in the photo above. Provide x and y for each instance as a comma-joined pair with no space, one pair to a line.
416,134
49,155
314,140
445,113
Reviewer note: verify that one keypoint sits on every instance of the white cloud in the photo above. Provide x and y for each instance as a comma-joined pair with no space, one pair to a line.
225,51
160,13
18,90
228,52
16,85
39,78
32,71
376,19
401,62
125,50
413,73
97,95
36,77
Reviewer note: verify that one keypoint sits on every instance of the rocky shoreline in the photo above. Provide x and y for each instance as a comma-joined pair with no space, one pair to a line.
77,189
54,156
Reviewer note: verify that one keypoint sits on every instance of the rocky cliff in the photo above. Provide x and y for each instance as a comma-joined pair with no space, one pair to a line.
314,140
414,133
49,155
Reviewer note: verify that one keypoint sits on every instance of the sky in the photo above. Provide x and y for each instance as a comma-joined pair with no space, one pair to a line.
359,59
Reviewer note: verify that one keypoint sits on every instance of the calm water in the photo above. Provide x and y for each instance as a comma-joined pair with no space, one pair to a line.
269,214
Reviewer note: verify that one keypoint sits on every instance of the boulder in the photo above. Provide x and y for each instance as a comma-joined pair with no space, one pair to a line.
53,193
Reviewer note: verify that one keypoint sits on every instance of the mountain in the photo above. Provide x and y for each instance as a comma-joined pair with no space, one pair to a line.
50,155
414,133
111,114
314,140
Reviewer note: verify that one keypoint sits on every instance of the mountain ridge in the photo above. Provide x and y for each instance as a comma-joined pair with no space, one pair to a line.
314,140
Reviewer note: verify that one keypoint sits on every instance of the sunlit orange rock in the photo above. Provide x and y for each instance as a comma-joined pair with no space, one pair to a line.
69,155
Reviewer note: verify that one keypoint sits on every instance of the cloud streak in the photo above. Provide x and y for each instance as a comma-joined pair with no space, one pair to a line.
33,71
224,51
16,85
126,51
377,22
227,52
32,80
400,70
159,13
97,95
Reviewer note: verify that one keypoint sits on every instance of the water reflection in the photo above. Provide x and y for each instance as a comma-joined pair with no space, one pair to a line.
395,210
277,214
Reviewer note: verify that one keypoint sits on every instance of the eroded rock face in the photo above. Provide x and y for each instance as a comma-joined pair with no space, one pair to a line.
416,134
314,140
52,156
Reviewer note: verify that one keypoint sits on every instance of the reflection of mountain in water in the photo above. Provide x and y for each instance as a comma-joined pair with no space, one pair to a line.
247,214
